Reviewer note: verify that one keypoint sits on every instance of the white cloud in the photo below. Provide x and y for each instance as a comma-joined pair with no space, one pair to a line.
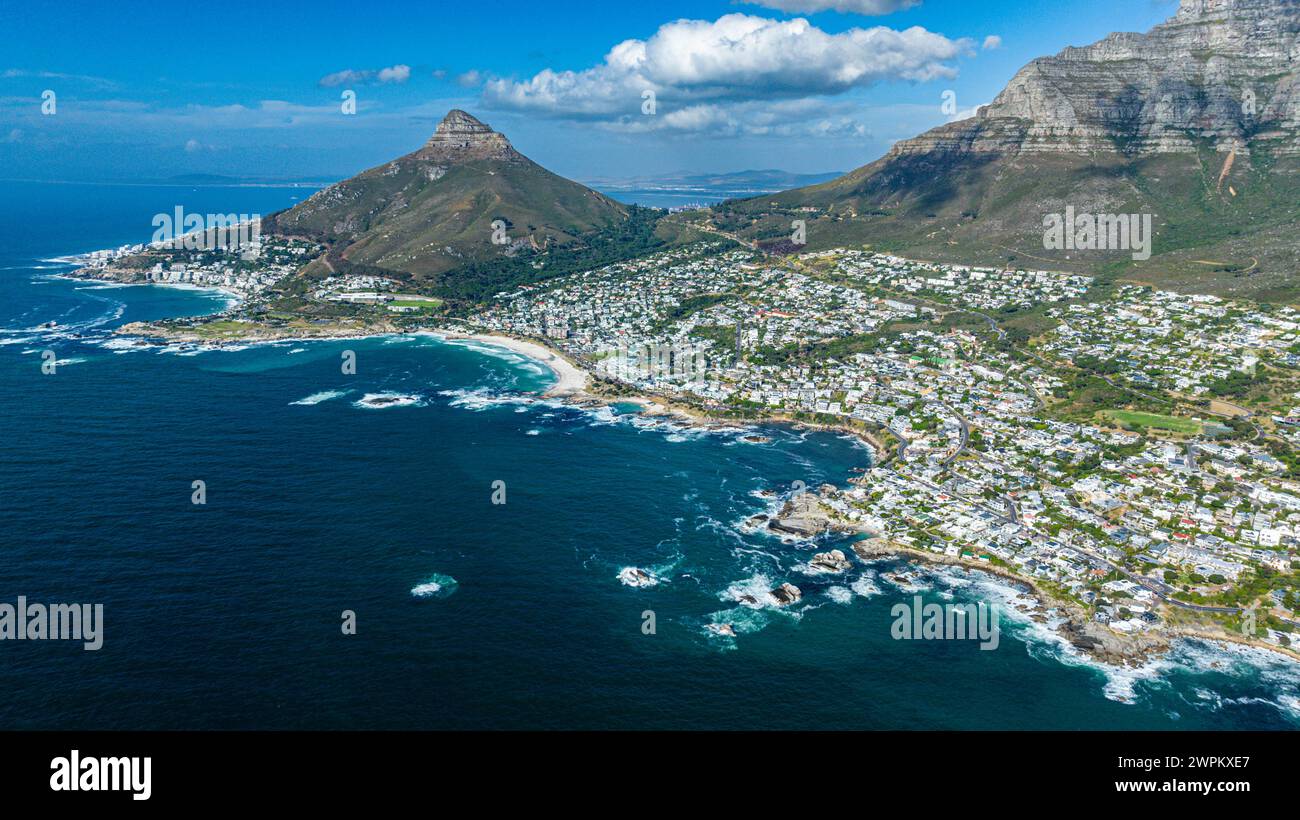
395,74
392,74
786,118
193,146
470,79
867,7
701,67
992,42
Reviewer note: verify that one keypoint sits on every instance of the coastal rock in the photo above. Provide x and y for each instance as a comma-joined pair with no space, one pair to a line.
833,561
1110,647
872,548
803,515
786,594
726,630
636,577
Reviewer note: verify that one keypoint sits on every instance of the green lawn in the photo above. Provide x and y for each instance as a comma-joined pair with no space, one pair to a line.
222,327
421,302
1154,421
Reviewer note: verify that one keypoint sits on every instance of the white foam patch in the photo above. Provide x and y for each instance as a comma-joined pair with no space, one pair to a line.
324,395
865,587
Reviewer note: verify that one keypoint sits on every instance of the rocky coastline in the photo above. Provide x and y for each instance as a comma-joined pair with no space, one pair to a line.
1089,637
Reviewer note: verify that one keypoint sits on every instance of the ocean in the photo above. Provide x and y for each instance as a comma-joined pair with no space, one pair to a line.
469,614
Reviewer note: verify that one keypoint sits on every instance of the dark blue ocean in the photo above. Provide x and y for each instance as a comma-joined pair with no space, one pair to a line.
469,615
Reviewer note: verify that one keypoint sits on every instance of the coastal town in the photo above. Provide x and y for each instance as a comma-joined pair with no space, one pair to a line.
1131,456
246,270
1182,508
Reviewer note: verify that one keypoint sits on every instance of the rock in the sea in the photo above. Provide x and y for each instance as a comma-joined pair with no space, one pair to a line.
722,629
833,561
787,593
871,548
803,515
637,577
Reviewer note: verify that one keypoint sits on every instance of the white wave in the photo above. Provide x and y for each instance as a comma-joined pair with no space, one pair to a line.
865,587
738,621
122,345
480,399
840,595
324,395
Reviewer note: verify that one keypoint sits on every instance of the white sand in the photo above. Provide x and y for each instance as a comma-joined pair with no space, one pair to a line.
571,379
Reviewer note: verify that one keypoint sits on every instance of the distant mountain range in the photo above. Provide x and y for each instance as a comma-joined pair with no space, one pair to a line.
737,181
1196,122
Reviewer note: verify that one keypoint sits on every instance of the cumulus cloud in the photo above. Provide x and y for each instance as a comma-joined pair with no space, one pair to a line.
787,118
867,7
470,79
702,66
393,74
992,42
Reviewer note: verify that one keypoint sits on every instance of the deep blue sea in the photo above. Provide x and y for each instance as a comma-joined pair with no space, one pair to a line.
469,615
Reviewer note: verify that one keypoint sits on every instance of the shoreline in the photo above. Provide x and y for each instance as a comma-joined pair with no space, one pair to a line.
571,380
234,297
572,385
1124,650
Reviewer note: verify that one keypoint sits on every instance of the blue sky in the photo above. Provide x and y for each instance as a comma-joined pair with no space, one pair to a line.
152,90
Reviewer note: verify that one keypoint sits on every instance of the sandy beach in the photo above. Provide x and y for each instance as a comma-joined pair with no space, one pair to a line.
571,379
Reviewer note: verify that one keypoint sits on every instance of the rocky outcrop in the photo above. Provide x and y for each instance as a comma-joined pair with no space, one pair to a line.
1110,647
833,561
636,577
461,137
804,516
787,594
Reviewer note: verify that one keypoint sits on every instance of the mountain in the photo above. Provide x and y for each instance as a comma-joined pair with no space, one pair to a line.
1196,122
433,210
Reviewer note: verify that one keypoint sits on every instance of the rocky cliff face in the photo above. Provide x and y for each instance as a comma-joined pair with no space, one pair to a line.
1222,71
460,138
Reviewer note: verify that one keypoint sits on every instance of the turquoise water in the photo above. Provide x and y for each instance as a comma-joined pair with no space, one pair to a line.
469,614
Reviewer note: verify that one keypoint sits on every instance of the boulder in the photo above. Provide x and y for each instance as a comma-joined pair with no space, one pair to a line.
786,594
833,561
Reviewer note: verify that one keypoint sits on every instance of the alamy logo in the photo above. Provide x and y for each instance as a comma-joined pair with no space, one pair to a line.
920,621
55,622
196,232
1098,232
102,774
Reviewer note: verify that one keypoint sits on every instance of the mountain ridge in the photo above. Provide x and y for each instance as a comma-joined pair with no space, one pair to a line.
1196,122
